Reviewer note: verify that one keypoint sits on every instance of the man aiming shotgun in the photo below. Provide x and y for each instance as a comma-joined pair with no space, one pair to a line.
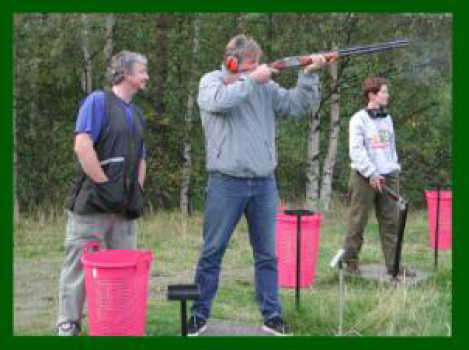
374,164
302,61
239,126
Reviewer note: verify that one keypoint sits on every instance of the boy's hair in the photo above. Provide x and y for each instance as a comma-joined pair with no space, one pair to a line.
372,84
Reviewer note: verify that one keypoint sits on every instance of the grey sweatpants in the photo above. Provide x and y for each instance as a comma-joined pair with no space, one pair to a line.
113,231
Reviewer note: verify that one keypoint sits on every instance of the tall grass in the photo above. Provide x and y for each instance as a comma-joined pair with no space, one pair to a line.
371,308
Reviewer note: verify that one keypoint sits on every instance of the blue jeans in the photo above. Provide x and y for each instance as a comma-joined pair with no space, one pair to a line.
227,199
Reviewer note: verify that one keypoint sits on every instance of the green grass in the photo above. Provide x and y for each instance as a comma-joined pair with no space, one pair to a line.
371,308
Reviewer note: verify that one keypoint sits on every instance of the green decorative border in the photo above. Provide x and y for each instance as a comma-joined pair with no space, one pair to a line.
460,179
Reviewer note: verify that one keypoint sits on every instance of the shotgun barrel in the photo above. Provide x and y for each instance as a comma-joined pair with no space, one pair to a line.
301,61
360,50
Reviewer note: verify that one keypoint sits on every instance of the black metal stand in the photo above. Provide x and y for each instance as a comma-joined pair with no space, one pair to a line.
437,225
182,293
298,213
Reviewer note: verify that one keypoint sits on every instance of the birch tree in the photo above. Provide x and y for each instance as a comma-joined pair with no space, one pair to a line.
312,168
184,202
334,131
109,38
16,97
160,63
86,82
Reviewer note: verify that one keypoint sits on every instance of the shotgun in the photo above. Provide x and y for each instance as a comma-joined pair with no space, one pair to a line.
305,60
403,206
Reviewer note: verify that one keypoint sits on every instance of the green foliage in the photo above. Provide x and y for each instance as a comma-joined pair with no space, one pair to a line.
49,66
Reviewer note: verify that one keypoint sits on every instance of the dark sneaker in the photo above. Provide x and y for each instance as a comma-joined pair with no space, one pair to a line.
68,329
403,271
196,325
352,268
276,326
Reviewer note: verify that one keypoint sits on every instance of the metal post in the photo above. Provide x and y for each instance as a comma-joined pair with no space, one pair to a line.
298,261
183,318
341,297
337,262
437,225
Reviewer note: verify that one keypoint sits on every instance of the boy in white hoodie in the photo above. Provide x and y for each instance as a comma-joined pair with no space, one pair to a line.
374,161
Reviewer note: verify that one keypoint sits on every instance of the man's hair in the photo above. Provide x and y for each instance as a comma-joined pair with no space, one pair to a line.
372,84
123,62
242,47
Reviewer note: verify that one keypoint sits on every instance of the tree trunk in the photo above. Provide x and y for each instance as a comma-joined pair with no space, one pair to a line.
86,82
329,162
16,97
312,169
184,203
35,118
108,40
270,36
160,62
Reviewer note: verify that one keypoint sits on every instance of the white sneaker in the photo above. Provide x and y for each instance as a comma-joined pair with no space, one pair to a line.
68,329
196,326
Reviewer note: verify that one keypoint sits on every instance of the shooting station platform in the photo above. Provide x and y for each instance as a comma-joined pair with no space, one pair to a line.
378,273
216,327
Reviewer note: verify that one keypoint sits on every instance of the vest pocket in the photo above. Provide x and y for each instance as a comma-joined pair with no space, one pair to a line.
113,168
109,197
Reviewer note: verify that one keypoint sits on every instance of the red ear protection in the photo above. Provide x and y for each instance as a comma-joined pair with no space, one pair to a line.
231,63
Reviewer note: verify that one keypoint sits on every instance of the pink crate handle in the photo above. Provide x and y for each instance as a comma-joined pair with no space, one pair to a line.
143,259
93,245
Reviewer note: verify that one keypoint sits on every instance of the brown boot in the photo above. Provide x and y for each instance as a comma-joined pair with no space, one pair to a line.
403,271
352,267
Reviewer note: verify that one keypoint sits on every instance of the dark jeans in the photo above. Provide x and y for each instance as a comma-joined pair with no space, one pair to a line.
228,198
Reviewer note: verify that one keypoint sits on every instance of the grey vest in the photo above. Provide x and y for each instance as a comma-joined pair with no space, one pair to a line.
118,149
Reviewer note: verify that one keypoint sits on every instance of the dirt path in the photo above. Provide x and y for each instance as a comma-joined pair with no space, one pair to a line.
36,291
35,295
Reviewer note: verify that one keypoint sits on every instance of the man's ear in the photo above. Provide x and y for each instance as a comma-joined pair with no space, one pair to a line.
127,73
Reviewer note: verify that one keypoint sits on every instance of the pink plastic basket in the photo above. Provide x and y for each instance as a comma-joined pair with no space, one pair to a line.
444,218
116,282
286,249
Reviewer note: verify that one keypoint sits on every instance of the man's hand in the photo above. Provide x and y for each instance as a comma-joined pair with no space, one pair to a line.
263,73
318,62
142,171
376,182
